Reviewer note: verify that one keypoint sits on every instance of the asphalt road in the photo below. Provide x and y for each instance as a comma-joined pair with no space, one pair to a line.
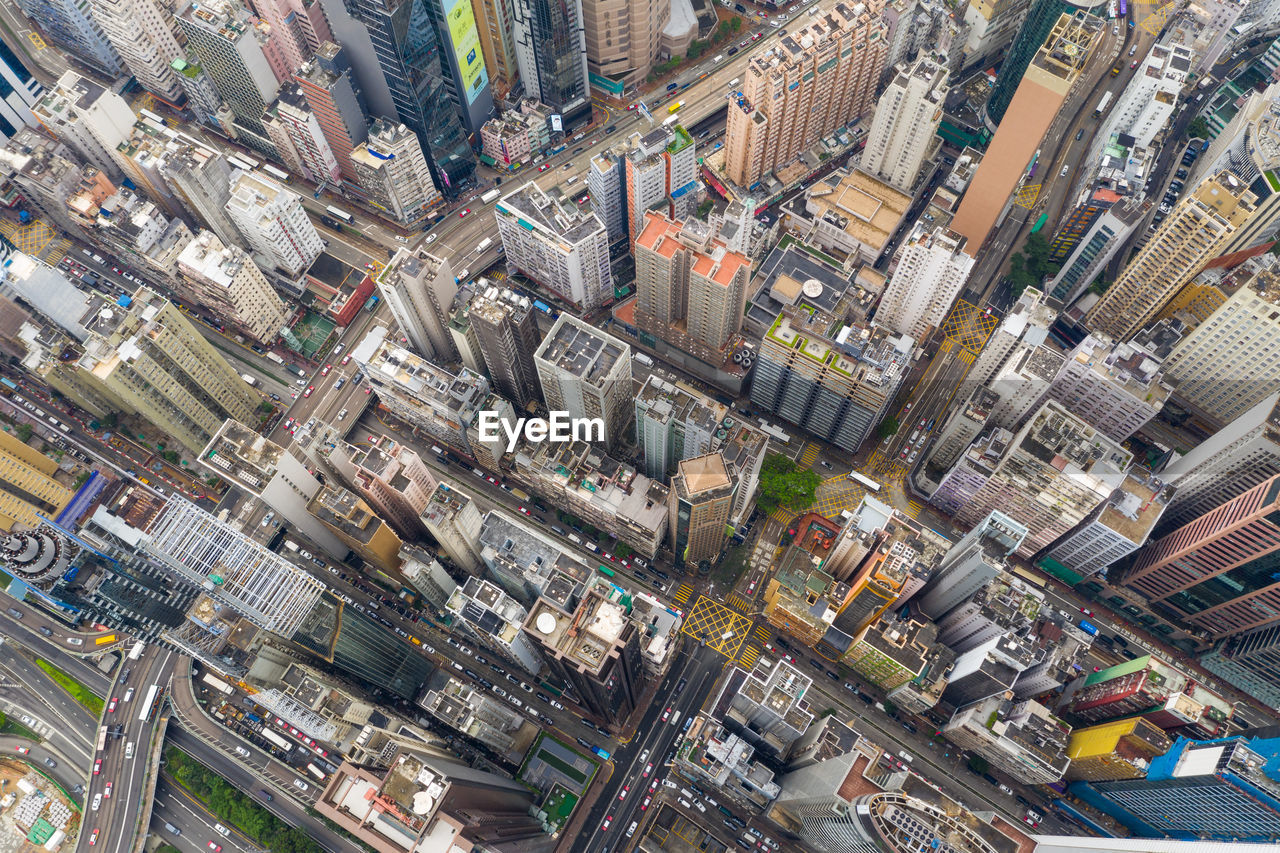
699,667
175,807
122,782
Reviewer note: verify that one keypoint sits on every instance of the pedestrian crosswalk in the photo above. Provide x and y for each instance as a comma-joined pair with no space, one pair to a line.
683,593
763,634
914,508
782,515
811,453
749,656
738,603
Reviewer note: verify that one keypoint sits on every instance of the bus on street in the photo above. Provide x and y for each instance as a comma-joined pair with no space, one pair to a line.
340,215
872,485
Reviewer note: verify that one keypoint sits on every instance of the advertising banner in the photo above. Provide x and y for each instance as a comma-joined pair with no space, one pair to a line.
466,47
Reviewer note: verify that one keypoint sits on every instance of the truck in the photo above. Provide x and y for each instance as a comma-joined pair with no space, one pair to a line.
251,381
483,244
273,357
521,494
643,359
600,752
1089,628
490,196
1102,104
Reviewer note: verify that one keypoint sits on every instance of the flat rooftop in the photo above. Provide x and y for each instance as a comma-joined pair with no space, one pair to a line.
582,350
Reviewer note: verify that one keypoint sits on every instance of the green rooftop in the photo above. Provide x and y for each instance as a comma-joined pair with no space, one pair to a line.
1129,667
681,141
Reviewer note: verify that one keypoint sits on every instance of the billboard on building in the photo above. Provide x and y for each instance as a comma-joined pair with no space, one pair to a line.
466,47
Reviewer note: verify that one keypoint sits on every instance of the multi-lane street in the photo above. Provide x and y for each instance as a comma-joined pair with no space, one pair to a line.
117,789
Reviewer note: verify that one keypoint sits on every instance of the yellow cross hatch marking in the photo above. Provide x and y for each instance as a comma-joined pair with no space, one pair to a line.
721,629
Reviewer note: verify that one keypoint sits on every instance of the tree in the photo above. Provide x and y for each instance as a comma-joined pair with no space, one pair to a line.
888,427
171,456
23,432
784,483
1030,266
1198,128
111,420
622,551
266,407
735,24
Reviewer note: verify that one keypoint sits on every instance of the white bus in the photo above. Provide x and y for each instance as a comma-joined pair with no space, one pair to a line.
240,163
149,706
483,244
217,684
316,772
491,196
340,214
872,485
272,737
279,174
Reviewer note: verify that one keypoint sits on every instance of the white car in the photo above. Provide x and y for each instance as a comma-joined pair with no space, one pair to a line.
431,238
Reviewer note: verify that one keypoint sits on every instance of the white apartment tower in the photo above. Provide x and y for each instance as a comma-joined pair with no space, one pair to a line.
561,247
1146,104
586,373
1233,460
393,173
1025,327
273,223
1231,362
145,35
419,288
1119,525
91,120
1115,387
932,268
226,280
903,133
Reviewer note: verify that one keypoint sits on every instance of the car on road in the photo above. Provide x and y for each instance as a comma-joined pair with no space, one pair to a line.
1032,817
462,214
215,847
825,464
648,768
431,238
93,839
307,393
1086,611
644,805
97,767
523,510
626,789
97,802
544,167
604,827
106,792
666,715
324,371
111,706
23,750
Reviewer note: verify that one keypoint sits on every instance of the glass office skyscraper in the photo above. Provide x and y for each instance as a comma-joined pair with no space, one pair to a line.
408,52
